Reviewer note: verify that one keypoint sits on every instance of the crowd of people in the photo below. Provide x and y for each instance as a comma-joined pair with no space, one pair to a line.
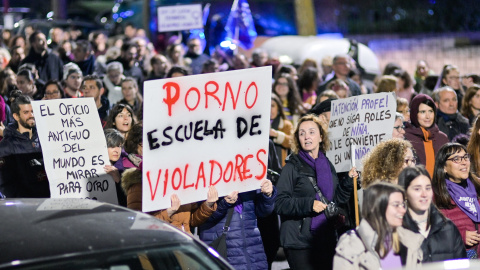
420,188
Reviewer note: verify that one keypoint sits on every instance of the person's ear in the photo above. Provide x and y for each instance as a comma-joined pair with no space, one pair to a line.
16,116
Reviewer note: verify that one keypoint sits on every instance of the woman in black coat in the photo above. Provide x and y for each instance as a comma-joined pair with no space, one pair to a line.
442,238
309,239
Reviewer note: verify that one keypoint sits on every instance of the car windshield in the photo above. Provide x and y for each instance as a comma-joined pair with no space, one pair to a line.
178,257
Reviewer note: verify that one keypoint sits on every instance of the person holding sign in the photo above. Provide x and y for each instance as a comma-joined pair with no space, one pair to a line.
22,171
306,235
243,231
422,131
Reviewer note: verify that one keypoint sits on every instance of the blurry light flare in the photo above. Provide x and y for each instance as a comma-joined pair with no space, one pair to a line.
103,20
213,252
430,12
50,14
17,262
456,264
232,47
225,44
115,8
16,25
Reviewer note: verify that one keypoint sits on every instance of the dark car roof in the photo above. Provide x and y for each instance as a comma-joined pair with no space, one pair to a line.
41,228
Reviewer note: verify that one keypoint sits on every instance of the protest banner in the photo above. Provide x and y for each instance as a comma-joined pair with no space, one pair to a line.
180,17
203,130
362,121
74,149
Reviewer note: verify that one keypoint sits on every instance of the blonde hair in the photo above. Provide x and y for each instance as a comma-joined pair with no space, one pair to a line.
387,83
324,145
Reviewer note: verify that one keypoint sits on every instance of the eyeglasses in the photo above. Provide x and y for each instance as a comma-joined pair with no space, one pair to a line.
399,127
397,205
453,77
51,94
284,84
410,161
459,159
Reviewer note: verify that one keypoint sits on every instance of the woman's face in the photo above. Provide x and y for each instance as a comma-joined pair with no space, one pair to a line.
405,110
409,159
419,194
475,101
398,129
273,110
395,210
282,87
457,171
309,137
52,92
24,85
114,153
124,121
129,91
452,79
425,116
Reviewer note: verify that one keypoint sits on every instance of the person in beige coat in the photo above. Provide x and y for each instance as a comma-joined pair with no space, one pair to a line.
380,242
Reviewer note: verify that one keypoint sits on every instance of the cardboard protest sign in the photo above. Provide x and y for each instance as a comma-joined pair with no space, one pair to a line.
362,121
74,149
180,17
204,130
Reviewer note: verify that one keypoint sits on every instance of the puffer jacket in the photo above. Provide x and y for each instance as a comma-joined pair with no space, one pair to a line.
22,171
244,243
356,250
443,242
188,215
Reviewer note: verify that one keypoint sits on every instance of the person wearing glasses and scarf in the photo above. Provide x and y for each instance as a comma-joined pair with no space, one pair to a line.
456,194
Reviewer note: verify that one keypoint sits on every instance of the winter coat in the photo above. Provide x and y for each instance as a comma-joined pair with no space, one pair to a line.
294,203
415,136
244,243
462,221
188,215
356,249
452,124
22,171
283,140
443,242
49,66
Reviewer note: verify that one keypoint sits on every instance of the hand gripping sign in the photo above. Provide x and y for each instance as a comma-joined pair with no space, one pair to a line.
74,149
204,130
359,121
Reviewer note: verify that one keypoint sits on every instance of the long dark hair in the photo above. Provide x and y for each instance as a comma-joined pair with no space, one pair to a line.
293,97
441,196
405,179
374,208
116,110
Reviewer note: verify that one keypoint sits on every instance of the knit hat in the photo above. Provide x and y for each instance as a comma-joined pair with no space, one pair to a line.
69,69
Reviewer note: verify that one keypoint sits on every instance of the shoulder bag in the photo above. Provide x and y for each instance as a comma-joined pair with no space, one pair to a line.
220,244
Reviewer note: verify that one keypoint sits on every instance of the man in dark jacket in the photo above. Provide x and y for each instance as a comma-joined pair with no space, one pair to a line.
22,172
93,87
83,57
341,67
49,65
449,120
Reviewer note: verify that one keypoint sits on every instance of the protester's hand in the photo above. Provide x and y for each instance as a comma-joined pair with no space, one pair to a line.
266,187
175,205
212,196
2,128
273,133
232,197
471,238
353,172
318,206
113,172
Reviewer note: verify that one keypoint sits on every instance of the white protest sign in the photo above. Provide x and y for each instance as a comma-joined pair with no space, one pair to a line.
362,121
203,130
180,17
74,149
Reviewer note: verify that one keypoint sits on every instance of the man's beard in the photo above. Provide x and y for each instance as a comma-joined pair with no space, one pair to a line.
24,124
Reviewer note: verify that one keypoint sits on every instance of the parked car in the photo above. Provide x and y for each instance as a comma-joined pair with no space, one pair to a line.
87,234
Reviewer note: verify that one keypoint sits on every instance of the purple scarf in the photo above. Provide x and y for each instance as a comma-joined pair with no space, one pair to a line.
324,182
465,198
